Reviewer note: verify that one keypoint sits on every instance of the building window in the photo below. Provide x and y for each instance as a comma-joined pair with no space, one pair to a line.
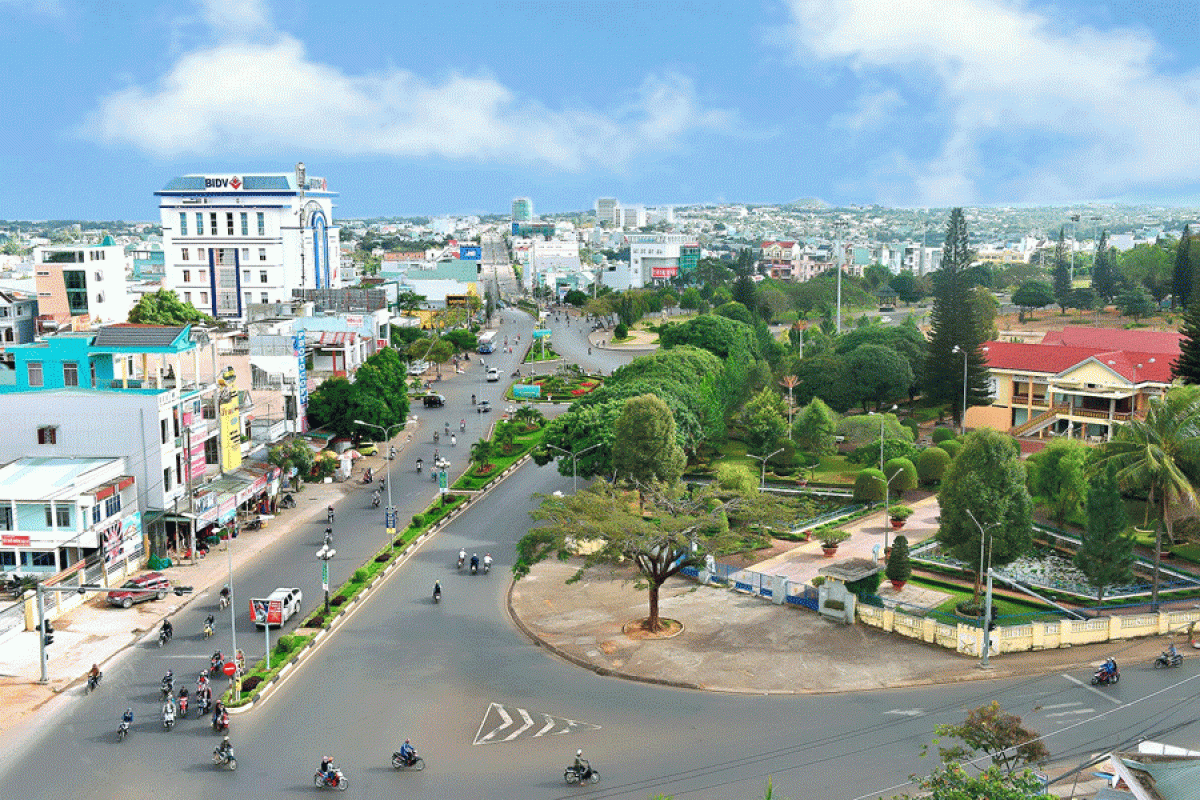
248,298
3,312
262,276
112,504
203,275
35,373
167,479
210,451
212,223
204,298
63,516
262,224
229,222
8,560
92,372
246,274
6,523
96,514
265,299
162,425
245,224
42,559
187,274
262,254
187,297
245,254
185,254
70,373
183,223
76,282
199,223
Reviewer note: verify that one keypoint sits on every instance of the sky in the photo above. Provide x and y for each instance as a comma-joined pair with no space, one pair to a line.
410,107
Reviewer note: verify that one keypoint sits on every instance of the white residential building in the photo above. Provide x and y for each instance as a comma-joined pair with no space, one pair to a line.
607,209
233,240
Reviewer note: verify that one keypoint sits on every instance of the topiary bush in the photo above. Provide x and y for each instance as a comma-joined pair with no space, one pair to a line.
899,566
418,520
952,447
251,683
864,586
912,426
868,486
901,474
620,332
360,575
932,464
942,434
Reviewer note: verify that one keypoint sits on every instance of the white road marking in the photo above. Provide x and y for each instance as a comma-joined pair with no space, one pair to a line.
501,721
907,712
1081,684
528,724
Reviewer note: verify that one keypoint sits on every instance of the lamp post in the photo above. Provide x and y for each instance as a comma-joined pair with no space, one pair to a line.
987,603
324,555
962,427
387,441
574,456
762,482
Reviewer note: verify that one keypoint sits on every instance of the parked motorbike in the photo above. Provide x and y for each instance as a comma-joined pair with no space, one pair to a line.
221,759
254,524
93,681
400,762
1104,678
1168,660
288,501
584,775
333,780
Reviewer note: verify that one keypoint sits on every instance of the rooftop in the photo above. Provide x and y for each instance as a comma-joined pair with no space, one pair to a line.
46,477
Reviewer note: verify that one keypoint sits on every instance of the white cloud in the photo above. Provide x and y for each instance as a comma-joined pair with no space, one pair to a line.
1043,109
262,93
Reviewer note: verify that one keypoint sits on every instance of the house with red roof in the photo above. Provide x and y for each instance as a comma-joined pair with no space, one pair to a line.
780,258
1078,382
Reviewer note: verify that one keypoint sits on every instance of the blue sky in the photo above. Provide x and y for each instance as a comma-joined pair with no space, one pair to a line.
423,108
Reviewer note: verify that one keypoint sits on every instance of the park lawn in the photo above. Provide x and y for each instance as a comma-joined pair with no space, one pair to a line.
1005,607
1185,551
836,469
536,355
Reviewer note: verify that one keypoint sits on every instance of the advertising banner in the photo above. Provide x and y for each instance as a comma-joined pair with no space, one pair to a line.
664,272
470,252
269,612
231,435
520,390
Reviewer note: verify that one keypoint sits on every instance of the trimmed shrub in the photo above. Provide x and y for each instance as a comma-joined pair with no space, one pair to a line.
864,586
899,566
907,478
868,486
418,520
383,558
337,601
932,464
360,575
942,434
620,332
952,447
251,683
913,426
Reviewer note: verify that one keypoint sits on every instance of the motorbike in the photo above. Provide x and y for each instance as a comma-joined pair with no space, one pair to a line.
437,594
215,663
420,464
328,537
163,636
400,762
375,501
93,681
183,707
202,703
208,629
223,602
462,557
288,501
474,567
168,687
329,516
1168,660
462,426
168,718
221,723
368,477
572,775
1103,677
516,374
334,780
254,524
221,759
122,731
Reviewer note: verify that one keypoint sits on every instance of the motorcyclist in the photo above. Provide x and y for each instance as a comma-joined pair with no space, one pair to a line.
453,440
375,498
487,562
216,661
472,399
420,463
210,621
326,768
462,425
202,682
407,752
329,513
1171,653
581,766
94,673
474,562
168,709
127,717
225,750
462,557
437,590
169,680
168,628
1109,668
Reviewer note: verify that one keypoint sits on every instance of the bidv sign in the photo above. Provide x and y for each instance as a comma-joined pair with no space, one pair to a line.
232,182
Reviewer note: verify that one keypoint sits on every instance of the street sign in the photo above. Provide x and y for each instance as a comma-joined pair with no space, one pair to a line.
540,332
325,575
521,390
229,668
443,486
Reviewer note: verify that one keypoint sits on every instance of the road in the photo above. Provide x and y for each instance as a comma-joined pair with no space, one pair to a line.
449,675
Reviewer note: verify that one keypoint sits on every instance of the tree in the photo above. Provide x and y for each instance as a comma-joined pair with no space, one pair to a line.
690,299
907,288
1058,477
932,465
952,782
984,307
901,476
868,486
1147,266
1062,272
482,453
745,291
1182,275
764,421
877,373
1104,271
735,311
1105,553
1033,294
462,339
1002,736
1187,366
899,566
1134,302
576,298
664,532
860,429
294,454
1084,298
165,308
331,406
952,327
814,430
987,479
736,478
644,448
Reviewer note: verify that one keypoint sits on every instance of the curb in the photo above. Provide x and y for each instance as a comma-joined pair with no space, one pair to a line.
325,633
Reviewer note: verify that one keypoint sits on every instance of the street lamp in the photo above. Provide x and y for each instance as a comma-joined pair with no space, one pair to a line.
987,603
387,441
962,427
764,459
574,456
882,418
325,555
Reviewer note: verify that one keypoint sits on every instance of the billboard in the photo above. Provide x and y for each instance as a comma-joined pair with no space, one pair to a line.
231,434
663,272
521,390
269,612
471,252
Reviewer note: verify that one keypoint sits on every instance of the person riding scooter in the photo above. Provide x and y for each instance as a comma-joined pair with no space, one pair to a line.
420,463
408,752
474,563
462,558
487,563
437,591
225,750
581,766
168,628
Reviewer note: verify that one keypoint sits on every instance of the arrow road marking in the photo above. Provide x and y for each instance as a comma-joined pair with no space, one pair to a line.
907,712
1083,685
1072,713
499,725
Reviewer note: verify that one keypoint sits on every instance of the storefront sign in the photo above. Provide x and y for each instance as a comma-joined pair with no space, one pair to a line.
11,540
231,435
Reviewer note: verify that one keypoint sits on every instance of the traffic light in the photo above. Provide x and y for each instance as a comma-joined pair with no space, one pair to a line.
47,633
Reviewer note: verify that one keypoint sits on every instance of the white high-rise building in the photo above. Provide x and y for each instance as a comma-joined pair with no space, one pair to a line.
632,216
522,209
607,209
233,240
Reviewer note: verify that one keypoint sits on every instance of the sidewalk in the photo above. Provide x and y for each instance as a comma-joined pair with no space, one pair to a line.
94,632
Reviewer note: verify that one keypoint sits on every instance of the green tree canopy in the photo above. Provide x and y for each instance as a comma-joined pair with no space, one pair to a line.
645,451
165,308
1001,736
764,421
815,428
1033,294
1057,477
877,374
1105,553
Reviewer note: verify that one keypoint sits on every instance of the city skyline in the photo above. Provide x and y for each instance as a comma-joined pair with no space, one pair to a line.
858,102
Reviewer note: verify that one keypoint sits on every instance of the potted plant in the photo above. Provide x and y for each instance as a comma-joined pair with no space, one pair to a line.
830,540
898,515
899,567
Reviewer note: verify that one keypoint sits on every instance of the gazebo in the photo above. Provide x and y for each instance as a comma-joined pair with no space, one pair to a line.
836,601
886,296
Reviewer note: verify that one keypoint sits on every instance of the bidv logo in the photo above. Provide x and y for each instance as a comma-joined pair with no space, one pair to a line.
223,183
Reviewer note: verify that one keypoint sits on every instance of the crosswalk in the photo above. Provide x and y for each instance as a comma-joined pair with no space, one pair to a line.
504,723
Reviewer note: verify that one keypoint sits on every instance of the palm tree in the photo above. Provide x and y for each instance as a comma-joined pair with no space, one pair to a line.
1151,454
505,435
482,452
529,416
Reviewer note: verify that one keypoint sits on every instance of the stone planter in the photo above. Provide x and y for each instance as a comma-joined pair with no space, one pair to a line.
897,524
898,585
829,552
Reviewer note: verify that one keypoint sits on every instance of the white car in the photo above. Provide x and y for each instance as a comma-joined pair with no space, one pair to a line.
418,368
493,375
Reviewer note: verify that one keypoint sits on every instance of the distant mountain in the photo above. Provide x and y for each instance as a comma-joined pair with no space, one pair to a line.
807,203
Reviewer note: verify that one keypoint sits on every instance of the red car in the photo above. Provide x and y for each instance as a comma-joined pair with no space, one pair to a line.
151,586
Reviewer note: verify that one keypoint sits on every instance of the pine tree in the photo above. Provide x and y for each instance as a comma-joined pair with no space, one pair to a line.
899,567
1181,279
1062,272
1187,366
1104,279
1105,553
953,327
